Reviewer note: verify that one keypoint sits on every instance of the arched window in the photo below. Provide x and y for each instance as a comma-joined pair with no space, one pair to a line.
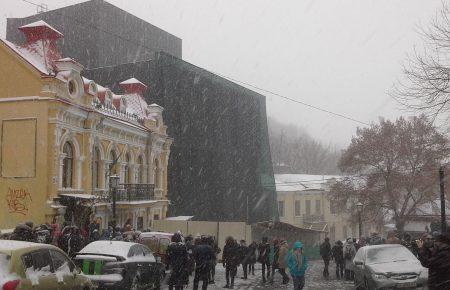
127,178
67,175
96,168
140,170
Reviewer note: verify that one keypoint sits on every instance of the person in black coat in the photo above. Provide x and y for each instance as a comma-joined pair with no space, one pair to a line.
244,259
337,254
203,255
325,252
231,260
263,257
177,259
22,232
438,263
252,248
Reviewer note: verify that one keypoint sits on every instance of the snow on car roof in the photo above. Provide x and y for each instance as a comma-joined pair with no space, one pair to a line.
113,248
8,245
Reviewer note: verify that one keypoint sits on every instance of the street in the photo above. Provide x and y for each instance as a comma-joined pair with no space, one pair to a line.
314,279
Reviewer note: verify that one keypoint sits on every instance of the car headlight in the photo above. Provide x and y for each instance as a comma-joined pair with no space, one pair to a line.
379,276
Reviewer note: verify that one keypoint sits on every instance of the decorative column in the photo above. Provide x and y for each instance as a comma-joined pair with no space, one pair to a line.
79,164
60,174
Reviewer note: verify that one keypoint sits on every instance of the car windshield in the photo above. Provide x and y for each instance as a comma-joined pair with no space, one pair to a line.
388,254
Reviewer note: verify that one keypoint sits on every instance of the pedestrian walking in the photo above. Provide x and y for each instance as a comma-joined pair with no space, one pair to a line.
230,260
338,256
203,254
212,267
263,257
437,261
177,260
297,263
273,257
189,240
252,249
243,251
282,253
349,254
325,253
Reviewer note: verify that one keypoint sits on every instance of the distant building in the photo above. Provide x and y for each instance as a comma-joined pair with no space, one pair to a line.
63,136
303,201
220,166
84,26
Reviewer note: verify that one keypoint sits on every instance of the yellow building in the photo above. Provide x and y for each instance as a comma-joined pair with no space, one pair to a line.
303,201
62,136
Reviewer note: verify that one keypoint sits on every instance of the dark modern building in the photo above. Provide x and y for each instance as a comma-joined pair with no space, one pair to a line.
220,166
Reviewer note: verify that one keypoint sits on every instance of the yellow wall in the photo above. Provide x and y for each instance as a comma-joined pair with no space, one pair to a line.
12,69
25,197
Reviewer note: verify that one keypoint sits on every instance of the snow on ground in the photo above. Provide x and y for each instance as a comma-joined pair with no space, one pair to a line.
314,280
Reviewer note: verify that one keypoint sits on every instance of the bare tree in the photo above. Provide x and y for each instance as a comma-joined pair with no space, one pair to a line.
425,86
295,151
393,167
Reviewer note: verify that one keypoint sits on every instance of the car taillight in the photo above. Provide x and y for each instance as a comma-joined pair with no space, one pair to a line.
11,285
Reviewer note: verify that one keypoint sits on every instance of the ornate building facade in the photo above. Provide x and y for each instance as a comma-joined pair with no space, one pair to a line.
63,136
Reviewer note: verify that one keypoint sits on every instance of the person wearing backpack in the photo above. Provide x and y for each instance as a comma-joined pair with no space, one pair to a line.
349,254
325,253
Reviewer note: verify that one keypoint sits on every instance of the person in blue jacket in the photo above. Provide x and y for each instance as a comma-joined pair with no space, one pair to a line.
297,264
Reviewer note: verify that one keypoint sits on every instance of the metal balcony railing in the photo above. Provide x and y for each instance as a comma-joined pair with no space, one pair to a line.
309,218
135,192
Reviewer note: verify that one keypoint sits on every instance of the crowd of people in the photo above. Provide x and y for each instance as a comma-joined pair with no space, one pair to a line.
198,257
432,250
71,239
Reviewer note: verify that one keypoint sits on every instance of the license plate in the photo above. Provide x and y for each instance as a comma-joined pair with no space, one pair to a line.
406,285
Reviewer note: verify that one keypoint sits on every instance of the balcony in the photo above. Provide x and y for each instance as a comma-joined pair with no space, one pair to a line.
135,192
310,218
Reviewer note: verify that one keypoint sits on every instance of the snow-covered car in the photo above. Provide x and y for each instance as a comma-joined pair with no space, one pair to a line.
388,267
120,265
25,265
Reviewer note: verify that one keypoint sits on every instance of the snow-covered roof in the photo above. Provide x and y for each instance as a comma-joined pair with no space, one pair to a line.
132,81
40,23
180,218
136,105
33,54
303,182
113,248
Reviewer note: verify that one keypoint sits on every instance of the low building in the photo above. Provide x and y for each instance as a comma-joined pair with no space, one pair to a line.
303,201
63,136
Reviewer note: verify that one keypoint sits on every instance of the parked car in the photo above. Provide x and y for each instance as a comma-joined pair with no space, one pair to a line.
120,265
157,242
388,267
26,265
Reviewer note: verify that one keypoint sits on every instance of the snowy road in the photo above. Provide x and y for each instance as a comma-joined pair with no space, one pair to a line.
314,280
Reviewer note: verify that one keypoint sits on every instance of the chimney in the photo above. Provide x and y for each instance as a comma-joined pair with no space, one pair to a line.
133,86
41,38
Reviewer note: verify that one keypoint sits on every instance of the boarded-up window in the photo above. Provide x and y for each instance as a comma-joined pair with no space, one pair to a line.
18,148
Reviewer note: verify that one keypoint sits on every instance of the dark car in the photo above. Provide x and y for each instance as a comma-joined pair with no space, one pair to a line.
120,265
388,267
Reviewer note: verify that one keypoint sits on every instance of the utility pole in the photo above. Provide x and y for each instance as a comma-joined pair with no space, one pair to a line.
441,183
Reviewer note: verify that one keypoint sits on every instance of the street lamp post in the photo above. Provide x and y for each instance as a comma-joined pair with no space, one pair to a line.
114,184
442,196
359,207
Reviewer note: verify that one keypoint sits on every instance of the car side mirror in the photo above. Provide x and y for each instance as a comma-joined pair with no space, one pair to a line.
158,259
359,263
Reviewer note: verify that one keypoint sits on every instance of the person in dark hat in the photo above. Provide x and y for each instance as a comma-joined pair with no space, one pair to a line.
438,263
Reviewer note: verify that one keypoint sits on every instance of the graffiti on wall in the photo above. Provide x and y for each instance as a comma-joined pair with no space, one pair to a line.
18,200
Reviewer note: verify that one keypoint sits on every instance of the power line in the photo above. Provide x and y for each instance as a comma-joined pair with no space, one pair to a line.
223,76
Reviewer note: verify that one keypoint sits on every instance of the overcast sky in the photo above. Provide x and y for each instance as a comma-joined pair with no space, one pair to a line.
343,55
